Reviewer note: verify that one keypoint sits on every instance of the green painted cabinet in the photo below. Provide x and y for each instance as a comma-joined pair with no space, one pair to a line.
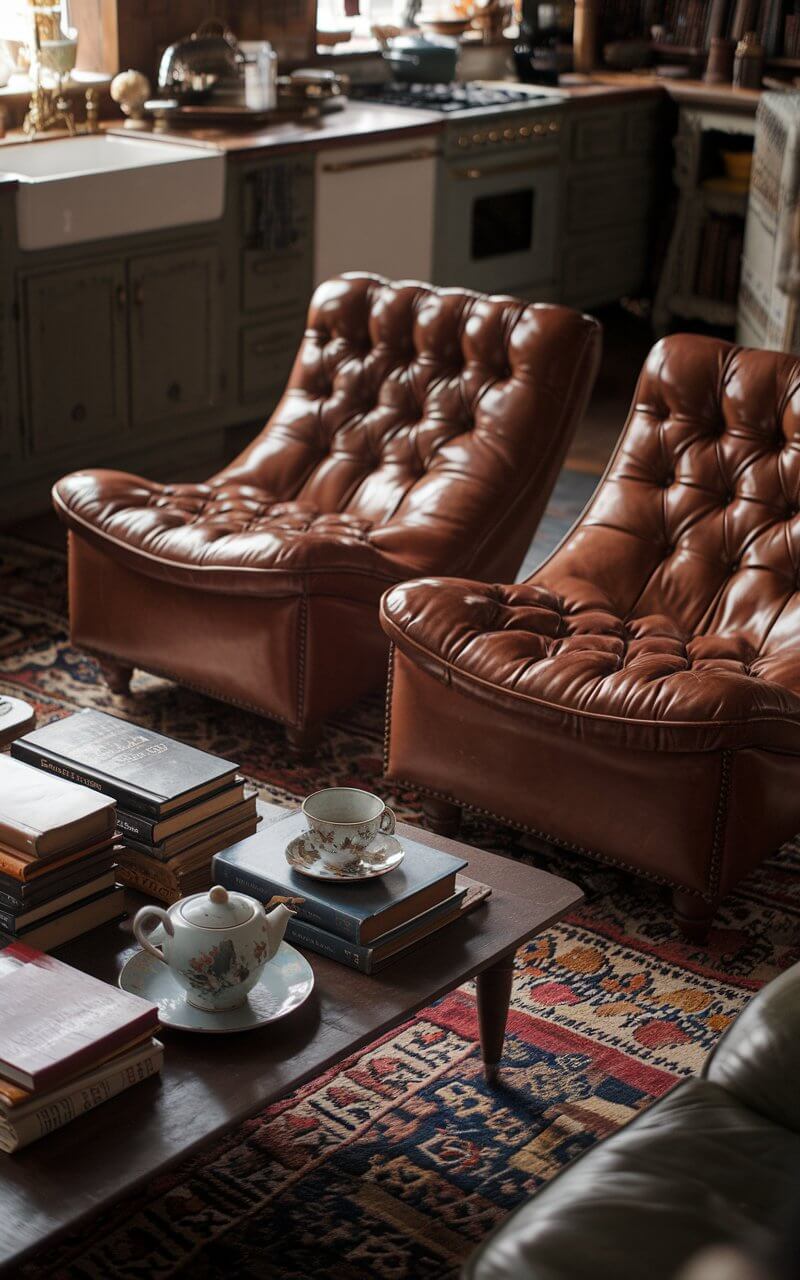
174,334
74,326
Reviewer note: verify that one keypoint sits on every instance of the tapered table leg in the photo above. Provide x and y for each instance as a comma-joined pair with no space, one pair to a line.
494,997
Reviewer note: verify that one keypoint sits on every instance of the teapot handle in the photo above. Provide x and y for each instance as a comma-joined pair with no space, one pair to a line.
141,937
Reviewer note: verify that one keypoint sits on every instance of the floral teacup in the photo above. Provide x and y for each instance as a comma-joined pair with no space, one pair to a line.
343,822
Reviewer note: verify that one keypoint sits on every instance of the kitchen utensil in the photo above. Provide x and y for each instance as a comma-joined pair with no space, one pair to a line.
421,60
207,61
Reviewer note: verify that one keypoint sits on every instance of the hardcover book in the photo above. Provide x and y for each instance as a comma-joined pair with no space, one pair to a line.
69,923
161,840
15,867
57,1020
15,921
145,772
358,911
17,895
43,1114
41,816
373,957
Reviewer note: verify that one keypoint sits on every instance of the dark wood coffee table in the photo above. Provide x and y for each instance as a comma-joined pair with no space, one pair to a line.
16,717
211,1083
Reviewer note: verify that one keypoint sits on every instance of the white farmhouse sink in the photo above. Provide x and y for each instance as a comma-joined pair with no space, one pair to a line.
93,188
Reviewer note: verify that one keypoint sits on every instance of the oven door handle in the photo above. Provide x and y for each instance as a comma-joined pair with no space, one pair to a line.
473,174
344,166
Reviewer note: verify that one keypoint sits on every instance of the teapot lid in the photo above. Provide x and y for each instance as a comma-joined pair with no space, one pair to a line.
217,909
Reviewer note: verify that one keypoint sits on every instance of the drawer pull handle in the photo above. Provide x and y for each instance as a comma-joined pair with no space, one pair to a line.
499,171
345,166
78,413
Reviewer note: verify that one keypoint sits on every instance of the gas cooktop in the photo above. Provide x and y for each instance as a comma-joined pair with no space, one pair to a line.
447,97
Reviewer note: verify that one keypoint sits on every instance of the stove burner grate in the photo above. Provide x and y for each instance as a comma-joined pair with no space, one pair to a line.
442,97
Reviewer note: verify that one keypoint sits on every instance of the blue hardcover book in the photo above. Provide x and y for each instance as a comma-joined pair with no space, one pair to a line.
361,911
372,957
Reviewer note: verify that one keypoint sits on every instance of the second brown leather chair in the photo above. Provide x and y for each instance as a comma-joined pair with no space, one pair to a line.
638,698
421,432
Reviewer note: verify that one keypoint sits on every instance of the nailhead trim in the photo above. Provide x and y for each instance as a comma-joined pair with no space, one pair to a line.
521,826
184,683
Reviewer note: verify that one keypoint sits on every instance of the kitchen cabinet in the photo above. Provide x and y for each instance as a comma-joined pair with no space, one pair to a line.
608,195
74,332
174,334
375,210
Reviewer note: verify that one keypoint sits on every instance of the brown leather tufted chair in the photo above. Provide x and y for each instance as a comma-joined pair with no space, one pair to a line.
638,698
421,432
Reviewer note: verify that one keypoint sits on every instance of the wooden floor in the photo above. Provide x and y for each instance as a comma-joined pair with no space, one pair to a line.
626,341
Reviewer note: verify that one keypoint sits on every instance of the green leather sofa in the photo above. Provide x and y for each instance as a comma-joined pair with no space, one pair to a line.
712,1162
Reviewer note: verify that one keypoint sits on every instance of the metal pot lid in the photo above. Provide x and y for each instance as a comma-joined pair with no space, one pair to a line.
217,909
423,42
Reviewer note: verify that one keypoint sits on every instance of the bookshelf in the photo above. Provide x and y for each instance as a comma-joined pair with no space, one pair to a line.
700,278
682,30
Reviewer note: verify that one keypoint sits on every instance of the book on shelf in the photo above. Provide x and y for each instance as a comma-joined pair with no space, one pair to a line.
373,957
359,912
42,816
57,1020
70,922
145,772
34,1115
157,834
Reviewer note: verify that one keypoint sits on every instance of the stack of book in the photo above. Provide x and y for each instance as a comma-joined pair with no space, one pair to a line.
363,924
57,857
69,1042
176,806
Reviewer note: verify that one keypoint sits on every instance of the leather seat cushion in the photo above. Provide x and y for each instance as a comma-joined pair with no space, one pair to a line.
645,1200
225,536
568,656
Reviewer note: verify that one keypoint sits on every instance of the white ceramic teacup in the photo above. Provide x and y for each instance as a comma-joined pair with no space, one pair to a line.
343,822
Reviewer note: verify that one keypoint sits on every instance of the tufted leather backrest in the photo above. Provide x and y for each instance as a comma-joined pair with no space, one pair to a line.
696,519
423,412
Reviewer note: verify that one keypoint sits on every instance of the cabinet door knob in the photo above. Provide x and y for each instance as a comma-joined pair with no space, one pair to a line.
78,412
174,391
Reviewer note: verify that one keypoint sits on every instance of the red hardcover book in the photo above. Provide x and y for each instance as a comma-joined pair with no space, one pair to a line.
55,1020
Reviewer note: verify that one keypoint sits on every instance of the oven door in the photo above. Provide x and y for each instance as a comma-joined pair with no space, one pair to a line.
496,223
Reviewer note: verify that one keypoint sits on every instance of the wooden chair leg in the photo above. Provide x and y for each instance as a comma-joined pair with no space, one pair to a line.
693,915
441,816
117,676
303,741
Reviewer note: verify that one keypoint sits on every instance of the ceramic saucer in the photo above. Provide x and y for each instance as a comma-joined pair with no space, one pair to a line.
286,982
383,855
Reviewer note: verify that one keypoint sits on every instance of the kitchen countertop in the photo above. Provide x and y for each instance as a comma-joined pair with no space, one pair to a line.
357,122
364,123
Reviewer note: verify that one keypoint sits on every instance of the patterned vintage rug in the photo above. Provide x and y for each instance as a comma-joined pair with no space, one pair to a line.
397,1163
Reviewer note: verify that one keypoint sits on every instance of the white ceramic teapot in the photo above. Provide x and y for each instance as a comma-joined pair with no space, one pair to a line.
216,944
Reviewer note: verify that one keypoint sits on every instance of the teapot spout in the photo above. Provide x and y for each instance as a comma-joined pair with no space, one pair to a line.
276,922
